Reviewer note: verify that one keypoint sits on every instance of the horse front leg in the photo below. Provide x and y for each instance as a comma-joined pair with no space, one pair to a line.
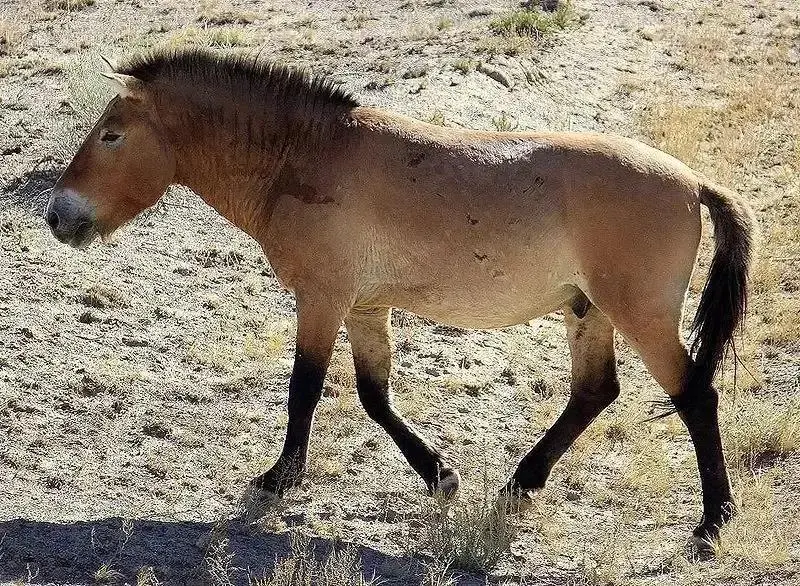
370,338
317,325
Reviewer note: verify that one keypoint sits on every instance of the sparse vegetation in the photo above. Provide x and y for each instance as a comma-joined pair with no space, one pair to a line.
758,431
342,567
149,378
223,37
464,66
437,118
504,123
472,534
10,37
444,24
533,23
68,5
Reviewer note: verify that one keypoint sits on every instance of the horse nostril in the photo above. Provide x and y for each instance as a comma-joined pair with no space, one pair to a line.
52,219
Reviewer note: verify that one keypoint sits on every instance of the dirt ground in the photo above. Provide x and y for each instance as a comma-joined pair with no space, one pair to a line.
144,383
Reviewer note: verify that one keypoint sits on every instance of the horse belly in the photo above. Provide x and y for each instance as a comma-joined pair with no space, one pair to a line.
483,297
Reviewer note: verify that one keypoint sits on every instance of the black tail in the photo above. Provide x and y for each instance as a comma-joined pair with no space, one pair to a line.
723,303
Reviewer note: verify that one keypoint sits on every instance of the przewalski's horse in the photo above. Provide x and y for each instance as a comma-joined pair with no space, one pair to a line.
360,210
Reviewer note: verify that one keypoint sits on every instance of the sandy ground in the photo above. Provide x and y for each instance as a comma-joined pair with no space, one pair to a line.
146,380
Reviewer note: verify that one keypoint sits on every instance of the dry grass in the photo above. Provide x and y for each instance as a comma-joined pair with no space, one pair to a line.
106,573
11,36
758,432
68,5
223,37
472,534
342,567
756,538
748,140
215,13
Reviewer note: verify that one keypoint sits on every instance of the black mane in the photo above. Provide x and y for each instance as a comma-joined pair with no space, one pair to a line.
245,75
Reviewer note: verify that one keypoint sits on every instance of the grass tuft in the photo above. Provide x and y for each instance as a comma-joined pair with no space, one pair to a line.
472,535
757,432
755,538
342,567
533,23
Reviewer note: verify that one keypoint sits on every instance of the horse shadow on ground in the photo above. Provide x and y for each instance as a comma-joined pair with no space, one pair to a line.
177,552
31,190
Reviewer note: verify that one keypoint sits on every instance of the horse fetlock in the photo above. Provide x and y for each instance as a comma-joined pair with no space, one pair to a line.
713,520
446,482
280,478
528,477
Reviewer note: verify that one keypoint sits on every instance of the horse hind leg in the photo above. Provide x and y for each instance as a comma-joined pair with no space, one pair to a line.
658,343
594,387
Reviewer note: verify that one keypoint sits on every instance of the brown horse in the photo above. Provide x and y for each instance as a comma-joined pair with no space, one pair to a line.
360,210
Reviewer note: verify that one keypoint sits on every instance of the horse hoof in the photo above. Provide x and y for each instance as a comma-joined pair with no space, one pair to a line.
515,499
447,484
700,548
255,503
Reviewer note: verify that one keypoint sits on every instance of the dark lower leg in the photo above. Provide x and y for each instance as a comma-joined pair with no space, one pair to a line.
581,410
594,386
423,458
369,332
305,391
698,410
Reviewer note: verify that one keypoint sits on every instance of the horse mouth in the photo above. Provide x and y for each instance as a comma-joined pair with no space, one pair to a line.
83,235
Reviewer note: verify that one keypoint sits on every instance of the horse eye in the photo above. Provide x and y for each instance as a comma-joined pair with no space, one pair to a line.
109,136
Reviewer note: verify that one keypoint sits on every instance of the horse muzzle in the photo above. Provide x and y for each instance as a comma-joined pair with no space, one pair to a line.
71,218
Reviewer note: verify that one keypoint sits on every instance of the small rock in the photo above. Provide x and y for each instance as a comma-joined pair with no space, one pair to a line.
135,342
573,495
14,150
496,74
90,317
432,371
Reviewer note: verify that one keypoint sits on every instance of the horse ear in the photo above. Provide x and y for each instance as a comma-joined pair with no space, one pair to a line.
111,65
124,85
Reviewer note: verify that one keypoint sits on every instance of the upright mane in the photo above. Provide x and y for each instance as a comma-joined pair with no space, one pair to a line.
246,76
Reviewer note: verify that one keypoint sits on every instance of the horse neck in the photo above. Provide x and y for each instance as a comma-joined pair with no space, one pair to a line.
231,159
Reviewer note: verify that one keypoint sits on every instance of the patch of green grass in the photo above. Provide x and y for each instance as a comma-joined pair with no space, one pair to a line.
437,118
444,24
464,66
504,123
533,23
